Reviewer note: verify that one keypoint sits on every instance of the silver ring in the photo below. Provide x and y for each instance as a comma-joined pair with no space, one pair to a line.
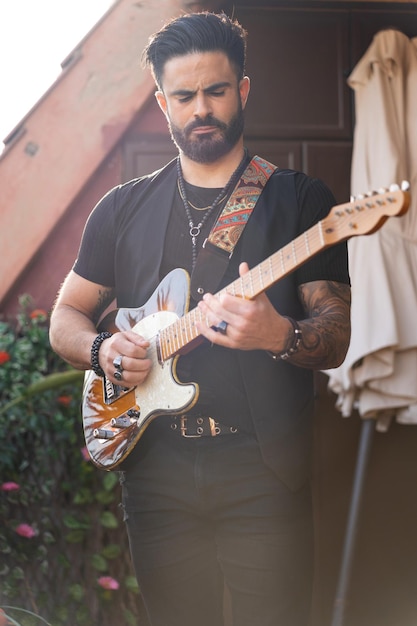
118,375
221,327
117,362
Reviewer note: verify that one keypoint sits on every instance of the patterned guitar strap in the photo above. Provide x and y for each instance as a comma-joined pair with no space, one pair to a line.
218,248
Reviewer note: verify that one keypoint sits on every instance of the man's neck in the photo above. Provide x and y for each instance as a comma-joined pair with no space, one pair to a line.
214,174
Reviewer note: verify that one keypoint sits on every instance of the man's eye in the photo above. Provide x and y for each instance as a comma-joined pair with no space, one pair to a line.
184,98
217,93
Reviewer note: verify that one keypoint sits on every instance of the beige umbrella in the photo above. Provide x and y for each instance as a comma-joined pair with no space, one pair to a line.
379,375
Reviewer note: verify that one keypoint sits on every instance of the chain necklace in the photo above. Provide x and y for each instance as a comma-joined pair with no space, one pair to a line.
196,208
195,230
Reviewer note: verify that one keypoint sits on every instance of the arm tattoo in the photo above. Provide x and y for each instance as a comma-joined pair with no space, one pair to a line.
326,331
105,296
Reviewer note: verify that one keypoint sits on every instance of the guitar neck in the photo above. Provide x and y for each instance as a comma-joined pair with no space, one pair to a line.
183,332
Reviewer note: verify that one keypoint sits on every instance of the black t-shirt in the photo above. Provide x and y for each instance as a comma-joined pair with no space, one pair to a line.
215,369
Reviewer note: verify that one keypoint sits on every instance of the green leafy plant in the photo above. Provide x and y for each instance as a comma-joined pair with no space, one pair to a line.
63,547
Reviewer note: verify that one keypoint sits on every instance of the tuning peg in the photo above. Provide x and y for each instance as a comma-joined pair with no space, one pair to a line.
382,190
394,187
405,185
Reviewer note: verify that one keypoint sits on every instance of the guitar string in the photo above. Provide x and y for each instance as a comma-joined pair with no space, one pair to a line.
173,332
280,264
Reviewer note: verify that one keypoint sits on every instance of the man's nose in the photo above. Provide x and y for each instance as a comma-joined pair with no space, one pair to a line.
202,106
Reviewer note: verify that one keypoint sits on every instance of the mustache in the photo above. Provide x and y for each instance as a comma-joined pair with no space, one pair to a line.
210,120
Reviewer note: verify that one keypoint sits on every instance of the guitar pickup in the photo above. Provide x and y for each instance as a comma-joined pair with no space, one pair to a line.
112,392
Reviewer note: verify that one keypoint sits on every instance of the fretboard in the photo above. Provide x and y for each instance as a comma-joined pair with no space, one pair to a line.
180,334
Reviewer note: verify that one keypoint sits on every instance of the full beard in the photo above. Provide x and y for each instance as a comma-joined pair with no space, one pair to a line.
208,148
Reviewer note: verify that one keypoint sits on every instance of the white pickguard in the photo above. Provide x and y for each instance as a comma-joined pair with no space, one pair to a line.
161,392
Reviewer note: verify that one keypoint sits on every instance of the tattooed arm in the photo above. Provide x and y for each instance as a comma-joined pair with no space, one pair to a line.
257,325
326,331
78,308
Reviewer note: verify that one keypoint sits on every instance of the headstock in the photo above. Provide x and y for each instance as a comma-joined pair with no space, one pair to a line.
366,213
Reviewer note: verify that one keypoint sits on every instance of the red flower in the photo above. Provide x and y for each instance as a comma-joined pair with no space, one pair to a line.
38,314
24,530
4,357
9,486
107,582
3,618
65,400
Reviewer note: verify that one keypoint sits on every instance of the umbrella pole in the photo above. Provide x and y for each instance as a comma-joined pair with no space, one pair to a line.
366,436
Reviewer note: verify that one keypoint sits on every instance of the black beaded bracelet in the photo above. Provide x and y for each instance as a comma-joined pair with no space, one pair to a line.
283,356
95,365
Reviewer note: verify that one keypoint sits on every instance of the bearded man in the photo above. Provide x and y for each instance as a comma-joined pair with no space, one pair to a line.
216,490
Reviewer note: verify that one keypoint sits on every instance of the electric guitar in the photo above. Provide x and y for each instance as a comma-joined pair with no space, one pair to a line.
115,417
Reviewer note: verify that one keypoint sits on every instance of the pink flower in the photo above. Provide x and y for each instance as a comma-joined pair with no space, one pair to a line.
10,486
3,618
107,582
24,530
85,454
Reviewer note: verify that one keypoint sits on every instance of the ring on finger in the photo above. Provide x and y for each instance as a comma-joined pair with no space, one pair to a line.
221,327
118,375
117,362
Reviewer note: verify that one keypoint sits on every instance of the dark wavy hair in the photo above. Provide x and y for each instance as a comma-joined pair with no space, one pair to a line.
196,32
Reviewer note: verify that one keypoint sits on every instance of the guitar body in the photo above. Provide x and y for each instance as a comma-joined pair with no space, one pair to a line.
114,418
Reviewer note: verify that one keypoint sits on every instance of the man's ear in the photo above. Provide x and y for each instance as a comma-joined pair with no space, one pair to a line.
160,98
244,88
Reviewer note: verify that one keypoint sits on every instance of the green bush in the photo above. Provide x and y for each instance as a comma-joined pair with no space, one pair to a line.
63,546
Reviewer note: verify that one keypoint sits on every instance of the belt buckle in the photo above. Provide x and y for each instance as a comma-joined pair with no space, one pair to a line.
183,428
213,424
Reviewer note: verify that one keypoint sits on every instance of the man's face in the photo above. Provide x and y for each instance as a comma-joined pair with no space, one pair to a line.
203,103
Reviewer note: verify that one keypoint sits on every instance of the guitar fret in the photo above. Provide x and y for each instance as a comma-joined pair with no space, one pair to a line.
320,228
261,278
252,292
186,328
162,346
168,342
307,243
174,336
180,334
294,253
281,257
192,317
271,269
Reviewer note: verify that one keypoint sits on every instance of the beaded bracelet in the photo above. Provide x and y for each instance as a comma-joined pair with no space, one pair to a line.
283,356
95,365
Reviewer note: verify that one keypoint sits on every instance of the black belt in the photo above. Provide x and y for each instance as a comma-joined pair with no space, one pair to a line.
198,426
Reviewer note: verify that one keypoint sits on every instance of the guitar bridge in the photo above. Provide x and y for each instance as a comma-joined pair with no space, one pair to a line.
112,392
